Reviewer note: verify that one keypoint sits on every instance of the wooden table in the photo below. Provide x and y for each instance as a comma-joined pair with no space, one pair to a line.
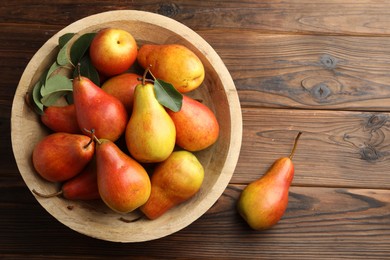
320,68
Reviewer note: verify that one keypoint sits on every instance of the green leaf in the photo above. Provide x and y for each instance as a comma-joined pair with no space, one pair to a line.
36,97
63,42
80,47
56,69
52,98
64,39
52,68
87,70
63,57
56,83
167,95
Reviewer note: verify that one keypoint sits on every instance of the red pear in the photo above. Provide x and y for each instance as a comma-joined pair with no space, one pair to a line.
196,125
61,156
81,187
123,183
122,87
263,202
61,119
96,109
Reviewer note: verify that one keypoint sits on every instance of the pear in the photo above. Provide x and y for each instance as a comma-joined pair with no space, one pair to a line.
173,63
174,181
122,87
150,133
196,125
61,156
81,187
61,119
123,183
263,202
96,109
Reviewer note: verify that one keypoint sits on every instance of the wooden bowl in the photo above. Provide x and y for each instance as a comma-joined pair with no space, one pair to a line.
217,91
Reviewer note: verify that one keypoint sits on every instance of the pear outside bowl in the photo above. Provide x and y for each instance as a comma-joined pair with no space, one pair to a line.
95,219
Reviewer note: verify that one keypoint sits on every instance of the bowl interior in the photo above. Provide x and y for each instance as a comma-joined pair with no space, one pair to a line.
217,92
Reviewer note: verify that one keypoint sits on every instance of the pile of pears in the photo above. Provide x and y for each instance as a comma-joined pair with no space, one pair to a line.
116,142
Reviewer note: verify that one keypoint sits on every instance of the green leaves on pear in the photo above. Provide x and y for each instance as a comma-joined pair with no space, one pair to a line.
56,81
63,57
167,95
87,70
79,47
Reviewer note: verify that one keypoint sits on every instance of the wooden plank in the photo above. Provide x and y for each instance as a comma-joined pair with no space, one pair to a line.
307,71
329,17
337,148
25,39
323,223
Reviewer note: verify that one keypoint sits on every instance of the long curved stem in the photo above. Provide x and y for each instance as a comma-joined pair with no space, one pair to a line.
295,145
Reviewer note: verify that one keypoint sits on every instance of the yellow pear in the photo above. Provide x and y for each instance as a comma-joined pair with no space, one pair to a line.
174,181
173,63
150,133
263,202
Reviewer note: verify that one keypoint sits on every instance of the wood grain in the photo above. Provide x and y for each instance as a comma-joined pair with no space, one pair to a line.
337,149
300,71
306,71
313,225
327,17
317,67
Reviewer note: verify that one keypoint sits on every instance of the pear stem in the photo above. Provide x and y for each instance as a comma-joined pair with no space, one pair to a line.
144,76
92,132
147,70
47,195
97,139
93,136
295,145
146,80
79,70
151,73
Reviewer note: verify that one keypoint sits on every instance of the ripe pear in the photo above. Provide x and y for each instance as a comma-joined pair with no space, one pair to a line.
81,187
150,133
122,87
263,202
174,181
61,156
96,109
61,119
123,183
196,125
173,63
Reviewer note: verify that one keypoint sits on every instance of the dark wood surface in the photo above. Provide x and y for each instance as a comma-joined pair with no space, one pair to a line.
320,68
